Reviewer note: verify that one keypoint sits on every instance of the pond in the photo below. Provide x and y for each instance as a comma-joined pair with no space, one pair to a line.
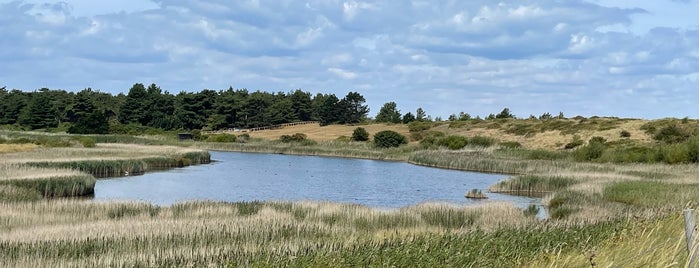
237,176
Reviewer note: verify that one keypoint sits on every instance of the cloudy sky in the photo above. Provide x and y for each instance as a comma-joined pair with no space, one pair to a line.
622,58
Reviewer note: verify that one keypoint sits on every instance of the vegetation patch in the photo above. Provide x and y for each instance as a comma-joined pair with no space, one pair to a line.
360,134
532,185
388,139
652,194
221,138
59,186
475,194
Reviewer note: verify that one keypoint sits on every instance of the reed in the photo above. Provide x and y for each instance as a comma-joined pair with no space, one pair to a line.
323,148
275,234
66,172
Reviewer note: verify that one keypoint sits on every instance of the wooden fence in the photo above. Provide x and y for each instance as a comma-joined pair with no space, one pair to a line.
244,130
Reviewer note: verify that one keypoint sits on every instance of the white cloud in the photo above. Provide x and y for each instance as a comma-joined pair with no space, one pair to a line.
344,74
352,8
474,56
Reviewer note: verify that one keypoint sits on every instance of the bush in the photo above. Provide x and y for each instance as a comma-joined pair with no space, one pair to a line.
430,138
298,137
481,141
590,152
87,142
221,138
360,134
243,138
454,142
573,144
510,145
531,211
389,138
417,126
597,139
625,134
671,134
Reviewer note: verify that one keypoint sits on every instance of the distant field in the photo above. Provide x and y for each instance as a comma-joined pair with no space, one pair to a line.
327,133
536,138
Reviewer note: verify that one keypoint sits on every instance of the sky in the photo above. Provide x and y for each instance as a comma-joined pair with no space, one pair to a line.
622,58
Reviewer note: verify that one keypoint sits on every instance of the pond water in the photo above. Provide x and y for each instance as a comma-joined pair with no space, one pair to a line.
251,176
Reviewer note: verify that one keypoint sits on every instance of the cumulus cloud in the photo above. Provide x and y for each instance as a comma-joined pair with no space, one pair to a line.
474,56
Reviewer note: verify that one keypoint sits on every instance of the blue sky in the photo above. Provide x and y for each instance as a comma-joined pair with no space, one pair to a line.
596,57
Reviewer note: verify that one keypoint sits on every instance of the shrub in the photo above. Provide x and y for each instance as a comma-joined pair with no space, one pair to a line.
417,126
87,142
196,134
454,142
221,138
298,137
510,145
676,154
243,138
625,134
597,139
671,134
573,144
360,134
430,138
481,141
389,138
531,211
590,152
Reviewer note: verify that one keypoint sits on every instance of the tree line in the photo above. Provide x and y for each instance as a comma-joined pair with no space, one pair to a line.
90,111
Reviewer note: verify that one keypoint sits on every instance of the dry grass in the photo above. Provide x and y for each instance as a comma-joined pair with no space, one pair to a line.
543,140
103,151
327,133
551,140
22,172
14,148
87,233
646,243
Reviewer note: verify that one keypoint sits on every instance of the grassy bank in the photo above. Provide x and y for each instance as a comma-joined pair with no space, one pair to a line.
39,169
326,148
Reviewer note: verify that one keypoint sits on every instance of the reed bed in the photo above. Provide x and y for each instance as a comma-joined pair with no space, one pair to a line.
656,242
26,182
325,148
109,159
14,148
71,171
580,193
275,234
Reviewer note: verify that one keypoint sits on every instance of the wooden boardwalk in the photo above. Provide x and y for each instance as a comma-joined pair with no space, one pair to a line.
245,130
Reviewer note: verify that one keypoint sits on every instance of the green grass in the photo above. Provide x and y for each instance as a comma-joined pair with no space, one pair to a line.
118,167
532,185
59,186
652,194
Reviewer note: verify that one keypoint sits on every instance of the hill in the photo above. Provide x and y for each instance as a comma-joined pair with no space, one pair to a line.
532,134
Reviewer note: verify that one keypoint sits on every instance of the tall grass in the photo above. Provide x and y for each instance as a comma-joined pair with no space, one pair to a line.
65,172
22,182
324,148
275,234
532,185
